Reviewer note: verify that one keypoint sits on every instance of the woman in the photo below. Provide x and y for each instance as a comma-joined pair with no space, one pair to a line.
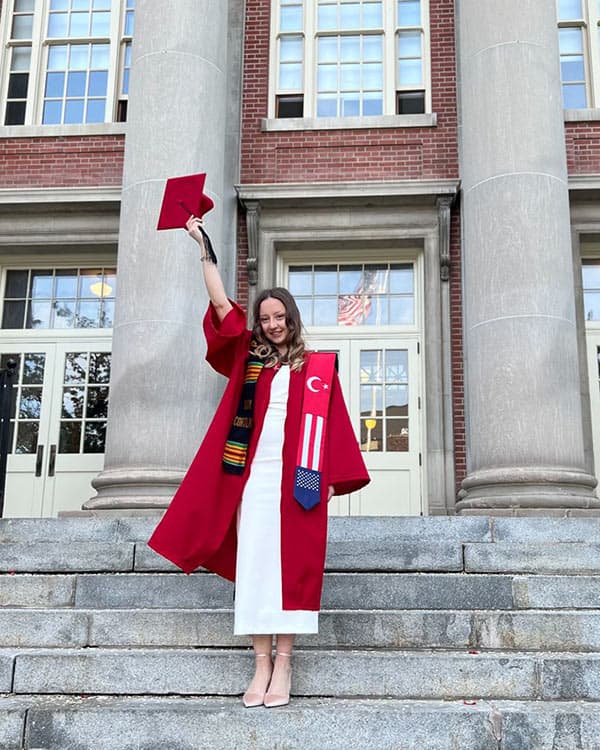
250,508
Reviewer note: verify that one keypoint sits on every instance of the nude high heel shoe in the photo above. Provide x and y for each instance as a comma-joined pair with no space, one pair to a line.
272,700
252,699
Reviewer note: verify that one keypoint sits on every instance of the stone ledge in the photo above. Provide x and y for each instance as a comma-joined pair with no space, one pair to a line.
298,124
326,723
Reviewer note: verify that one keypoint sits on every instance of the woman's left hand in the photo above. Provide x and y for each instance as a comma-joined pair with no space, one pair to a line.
330,491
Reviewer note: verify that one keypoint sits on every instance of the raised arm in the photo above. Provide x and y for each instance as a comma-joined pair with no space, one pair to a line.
212,277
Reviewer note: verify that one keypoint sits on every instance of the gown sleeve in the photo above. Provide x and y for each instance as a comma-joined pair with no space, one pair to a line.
347,470
224,337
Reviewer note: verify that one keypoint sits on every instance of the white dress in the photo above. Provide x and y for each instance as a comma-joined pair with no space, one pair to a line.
258,597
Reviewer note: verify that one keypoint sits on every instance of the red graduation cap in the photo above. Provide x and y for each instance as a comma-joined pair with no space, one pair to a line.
183,197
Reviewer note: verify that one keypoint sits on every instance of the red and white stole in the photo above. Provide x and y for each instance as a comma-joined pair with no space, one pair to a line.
313,428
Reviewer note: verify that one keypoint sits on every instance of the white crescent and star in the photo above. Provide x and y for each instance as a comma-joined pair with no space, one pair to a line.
311,387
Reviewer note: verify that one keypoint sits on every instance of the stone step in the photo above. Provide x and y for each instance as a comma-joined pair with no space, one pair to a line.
438,675
530,630
102,556
326,723
380,555
340,591
352,531
512,557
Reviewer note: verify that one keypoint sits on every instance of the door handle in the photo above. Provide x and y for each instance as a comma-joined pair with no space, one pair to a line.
39,461
52,462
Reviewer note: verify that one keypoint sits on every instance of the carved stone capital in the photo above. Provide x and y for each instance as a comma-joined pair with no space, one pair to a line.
444,204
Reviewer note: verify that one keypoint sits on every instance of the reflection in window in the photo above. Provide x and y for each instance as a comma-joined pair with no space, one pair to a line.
346,294
76,83
384,417
331,57
26,400
85,402
79,48
591,289
59,298
410,74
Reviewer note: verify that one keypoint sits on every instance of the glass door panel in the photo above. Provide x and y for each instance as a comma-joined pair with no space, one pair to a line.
78,424
30,414
381,385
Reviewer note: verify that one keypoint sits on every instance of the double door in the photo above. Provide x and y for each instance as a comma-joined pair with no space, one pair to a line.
59,409
381,382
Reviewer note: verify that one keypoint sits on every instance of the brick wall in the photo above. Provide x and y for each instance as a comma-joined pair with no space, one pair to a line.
372,154
460,459
583,147
61,162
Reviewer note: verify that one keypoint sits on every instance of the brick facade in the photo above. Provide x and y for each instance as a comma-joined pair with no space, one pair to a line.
338,155
61,162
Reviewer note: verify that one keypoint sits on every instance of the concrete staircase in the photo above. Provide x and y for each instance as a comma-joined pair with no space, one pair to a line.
436,633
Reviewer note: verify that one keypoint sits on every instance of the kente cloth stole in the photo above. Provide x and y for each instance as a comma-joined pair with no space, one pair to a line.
313,428
236,447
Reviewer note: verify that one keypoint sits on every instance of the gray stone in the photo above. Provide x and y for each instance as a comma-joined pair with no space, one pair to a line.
6,671
537,630
504,557
398,555
146,559
30,530
426,529
37,590
59,557
201,590
344,629
552,726
557,592
222,724
164,627
416,591
12,723
571,678
405,674
44,628
549,530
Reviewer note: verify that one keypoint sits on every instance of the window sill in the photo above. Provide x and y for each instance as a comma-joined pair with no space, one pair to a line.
348,123
582,115
54,131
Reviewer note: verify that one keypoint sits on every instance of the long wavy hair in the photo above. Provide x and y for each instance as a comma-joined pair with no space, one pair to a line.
262,347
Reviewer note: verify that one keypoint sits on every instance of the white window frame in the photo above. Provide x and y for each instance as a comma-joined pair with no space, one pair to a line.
39,56
390,84
589,25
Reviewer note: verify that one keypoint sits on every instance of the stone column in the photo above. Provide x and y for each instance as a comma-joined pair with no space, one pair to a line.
162,393
522,389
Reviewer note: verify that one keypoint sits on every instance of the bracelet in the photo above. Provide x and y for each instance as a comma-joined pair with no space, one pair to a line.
206,258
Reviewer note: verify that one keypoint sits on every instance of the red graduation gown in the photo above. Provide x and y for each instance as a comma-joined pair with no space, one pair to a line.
199,527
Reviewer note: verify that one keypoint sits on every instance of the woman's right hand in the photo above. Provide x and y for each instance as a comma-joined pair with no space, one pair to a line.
193,225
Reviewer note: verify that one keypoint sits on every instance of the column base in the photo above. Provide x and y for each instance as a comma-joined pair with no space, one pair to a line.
134,489
530,491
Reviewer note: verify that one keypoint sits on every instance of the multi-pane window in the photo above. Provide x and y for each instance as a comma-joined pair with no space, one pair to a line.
85,391
384,418
26,400
68,61
571,47
349,58
352,294
591,289
579,49
349,65
59,298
